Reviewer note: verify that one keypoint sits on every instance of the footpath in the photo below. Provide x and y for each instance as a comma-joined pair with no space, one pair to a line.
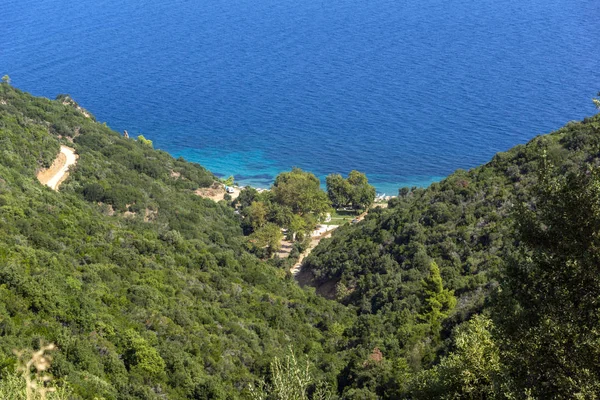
316,238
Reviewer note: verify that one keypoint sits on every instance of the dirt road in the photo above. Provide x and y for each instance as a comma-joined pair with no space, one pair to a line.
317,236
59,171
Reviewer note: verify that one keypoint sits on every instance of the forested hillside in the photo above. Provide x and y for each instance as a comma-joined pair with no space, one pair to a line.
484,285
145,288
470,225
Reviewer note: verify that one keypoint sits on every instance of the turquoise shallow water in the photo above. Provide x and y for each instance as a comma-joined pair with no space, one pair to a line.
406,91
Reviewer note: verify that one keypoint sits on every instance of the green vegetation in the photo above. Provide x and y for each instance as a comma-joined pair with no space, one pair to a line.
291,379
354,191
482,286
547,314
341,217
295,203
510,245
144,142
146,289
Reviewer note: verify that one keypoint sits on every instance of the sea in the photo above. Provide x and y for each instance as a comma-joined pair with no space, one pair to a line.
406,91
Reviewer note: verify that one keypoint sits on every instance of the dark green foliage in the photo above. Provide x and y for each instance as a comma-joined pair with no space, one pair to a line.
463,223
146,289
355,190
548,310
149,291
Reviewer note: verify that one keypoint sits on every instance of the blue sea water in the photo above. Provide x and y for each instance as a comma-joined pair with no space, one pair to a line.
404,90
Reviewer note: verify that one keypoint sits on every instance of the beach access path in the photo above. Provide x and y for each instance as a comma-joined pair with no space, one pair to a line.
322,232
59,170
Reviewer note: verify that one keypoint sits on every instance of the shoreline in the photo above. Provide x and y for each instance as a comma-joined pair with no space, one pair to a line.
239,165
386,190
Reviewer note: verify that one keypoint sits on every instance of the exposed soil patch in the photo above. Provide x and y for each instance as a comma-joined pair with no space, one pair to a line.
324,231
216,192
59,170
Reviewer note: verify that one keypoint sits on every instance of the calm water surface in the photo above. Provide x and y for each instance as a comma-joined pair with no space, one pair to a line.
405,90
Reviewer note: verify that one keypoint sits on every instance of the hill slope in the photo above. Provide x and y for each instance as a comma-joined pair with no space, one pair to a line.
149,292
465,224
144,287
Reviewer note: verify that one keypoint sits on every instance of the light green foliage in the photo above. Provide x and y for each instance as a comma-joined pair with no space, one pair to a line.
301,192
268,237
354,190
291,379
140,357
145,142
13,387
31,380
471,371
597,102
439,302
6,79
362,194
256,214
298,225
228,181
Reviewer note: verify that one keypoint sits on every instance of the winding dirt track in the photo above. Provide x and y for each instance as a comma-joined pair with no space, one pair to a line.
58,172
296,268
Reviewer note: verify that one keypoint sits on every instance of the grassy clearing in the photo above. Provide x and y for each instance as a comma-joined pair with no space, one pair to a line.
341,217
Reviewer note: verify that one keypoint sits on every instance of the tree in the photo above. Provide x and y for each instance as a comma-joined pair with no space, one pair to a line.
439,302
256,214
403,191
547,311
597,102
338,190
291,379
297,225
300,191
228,181
267,237
471,371
6,79
140,357
354,190
247,196
362,194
